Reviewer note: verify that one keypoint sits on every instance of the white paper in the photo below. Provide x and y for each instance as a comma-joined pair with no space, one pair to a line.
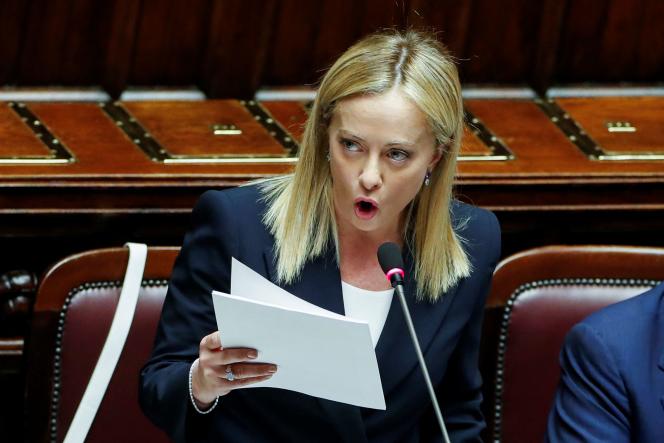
318,352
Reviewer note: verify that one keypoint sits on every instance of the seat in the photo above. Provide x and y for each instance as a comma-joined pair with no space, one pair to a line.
536,297
72,315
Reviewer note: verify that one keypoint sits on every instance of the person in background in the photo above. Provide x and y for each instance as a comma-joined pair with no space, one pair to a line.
376,163
612,381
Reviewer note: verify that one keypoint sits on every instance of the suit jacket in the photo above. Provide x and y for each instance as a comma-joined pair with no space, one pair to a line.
612,381
228,224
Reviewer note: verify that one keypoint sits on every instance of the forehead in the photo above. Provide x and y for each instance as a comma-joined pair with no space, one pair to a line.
390,115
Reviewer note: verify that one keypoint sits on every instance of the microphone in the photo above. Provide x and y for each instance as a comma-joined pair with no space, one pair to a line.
391,262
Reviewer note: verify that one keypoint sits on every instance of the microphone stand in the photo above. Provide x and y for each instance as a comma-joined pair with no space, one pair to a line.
398,286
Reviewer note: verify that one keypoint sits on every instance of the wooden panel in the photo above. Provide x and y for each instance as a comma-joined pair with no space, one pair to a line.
62,42
614,40
113,175
185,128
292,116
123,21
237,48
542,151
17,140
12,17
644,113
170,40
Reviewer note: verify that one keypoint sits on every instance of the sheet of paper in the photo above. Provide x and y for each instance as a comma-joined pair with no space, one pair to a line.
245,282
318,352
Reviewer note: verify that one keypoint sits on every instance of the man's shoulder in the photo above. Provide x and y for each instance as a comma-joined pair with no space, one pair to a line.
633,311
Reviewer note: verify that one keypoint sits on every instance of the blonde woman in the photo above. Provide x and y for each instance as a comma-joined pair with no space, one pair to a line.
377,164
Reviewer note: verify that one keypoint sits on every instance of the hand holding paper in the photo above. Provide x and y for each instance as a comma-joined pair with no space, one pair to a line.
318,352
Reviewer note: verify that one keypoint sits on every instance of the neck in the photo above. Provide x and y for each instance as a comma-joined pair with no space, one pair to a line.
356,244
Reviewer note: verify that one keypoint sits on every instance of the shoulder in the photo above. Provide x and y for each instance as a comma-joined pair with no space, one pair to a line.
478,230
234,211
241,203
623,326
244,199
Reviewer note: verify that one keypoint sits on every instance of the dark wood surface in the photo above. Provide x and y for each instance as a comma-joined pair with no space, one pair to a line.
230,49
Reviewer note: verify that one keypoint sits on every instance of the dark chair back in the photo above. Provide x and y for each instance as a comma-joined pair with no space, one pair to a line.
72,315
537,296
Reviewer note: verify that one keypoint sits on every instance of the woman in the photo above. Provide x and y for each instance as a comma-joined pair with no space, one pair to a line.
377,163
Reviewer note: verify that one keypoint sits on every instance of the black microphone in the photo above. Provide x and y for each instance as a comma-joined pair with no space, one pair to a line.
391,262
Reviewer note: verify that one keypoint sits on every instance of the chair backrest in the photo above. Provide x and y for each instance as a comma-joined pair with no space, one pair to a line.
73,311
541,294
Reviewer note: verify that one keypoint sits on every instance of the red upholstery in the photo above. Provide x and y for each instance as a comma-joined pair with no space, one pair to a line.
73,312
544,292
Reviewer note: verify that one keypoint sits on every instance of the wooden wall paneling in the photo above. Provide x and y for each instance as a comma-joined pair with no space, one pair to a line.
449,19
611,41
580,42
12,17
237,47
619,39
502,39
170,40
548,41
338,31
62,43
43,41
650,62
122,28
380,14
296,28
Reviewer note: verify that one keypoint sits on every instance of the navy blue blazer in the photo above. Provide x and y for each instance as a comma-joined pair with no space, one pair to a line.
612,382
228,224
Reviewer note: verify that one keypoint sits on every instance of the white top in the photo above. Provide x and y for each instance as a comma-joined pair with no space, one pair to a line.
370,306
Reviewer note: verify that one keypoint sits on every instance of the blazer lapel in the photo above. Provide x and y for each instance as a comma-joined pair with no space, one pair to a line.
427,318
320,284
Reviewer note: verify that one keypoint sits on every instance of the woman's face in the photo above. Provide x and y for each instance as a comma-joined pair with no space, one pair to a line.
381,147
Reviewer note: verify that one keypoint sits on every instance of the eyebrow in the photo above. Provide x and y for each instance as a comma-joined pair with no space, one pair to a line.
348,134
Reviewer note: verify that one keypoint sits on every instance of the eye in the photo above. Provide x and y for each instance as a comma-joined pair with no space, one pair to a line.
398,155
349,145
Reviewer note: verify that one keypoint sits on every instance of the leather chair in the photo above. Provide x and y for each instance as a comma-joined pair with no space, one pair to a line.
72,315
536,297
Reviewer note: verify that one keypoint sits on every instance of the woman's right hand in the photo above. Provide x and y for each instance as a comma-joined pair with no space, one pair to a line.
209,377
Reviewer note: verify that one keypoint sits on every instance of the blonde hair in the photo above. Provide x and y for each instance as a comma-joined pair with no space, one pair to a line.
300,211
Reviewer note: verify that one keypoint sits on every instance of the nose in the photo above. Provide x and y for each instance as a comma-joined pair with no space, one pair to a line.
371,177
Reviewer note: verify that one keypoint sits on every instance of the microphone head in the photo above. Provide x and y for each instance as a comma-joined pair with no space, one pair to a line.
389,257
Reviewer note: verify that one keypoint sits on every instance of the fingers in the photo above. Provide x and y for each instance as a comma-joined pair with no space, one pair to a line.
211,342
241,382
251,370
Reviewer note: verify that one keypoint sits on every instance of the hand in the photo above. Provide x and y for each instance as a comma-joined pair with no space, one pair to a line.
208,380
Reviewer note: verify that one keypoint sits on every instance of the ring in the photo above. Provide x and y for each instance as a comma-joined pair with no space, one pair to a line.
229,373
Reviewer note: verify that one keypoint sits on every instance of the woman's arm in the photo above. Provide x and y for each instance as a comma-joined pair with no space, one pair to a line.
188,315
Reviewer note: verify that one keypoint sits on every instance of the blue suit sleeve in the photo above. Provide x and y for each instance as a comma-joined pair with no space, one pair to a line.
187,316
460,391
590,404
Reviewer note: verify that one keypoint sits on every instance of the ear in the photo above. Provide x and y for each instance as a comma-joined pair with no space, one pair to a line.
437,155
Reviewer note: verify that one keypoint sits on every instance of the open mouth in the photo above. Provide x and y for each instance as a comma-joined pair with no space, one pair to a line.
365,209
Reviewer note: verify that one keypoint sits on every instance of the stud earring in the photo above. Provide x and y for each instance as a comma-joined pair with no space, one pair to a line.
327,156
427,178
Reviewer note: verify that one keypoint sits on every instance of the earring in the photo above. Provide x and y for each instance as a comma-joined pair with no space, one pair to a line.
327,156
427,178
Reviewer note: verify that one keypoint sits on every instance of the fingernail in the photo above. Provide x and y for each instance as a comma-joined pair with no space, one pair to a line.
252,354
273,369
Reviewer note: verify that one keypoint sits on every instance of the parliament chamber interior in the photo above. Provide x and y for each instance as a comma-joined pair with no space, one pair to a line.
116,116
